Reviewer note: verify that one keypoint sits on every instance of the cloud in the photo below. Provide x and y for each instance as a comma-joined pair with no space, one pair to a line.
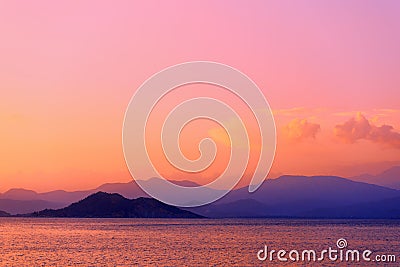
300,129
359,127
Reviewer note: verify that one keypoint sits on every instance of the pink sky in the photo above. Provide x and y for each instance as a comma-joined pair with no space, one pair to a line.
69,68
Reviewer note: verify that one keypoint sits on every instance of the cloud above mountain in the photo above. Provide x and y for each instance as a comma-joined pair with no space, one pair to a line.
360,128
300,129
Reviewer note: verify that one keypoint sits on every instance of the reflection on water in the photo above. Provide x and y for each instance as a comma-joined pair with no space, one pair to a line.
180,242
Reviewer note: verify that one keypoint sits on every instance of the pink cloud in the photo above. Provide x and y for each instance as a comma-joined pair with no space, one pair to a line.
360,128
300,129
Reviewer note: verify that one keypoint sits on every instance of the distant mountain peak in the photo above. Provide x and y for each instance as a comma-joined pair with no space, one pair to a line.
20,194
388,178
394,169
19,190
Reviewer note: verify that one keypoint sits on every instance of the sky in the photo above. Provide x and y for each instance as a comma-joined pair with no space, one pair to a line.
329,70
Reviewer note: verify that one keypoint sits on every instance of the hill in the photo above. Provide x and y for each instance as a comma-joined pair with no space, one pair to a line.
4,214
105,205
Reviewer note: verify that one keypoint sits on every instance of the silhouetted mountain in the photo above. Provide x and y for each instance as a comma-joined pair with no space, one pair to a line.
61,198
332,189
291,196
11,200
389,178
105,205
4,214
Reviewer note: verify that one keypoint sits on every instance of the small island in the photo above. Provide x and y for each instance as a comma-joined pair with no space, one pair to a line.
106,205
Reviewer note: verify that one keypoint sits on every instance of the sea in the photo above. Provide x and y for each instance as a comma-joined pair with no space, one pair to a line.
197,242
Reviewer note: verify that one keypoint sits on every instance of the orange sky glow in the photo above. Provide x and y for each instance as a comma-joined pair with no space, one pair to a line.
329,70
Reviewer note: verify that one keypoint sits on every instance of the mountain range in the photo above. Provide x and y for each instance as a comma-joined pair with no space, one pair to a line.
301,196
21,201
286,196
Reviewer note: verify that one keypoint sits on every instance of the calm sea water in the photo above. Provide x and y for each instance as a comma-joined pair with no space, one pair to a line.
183,242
